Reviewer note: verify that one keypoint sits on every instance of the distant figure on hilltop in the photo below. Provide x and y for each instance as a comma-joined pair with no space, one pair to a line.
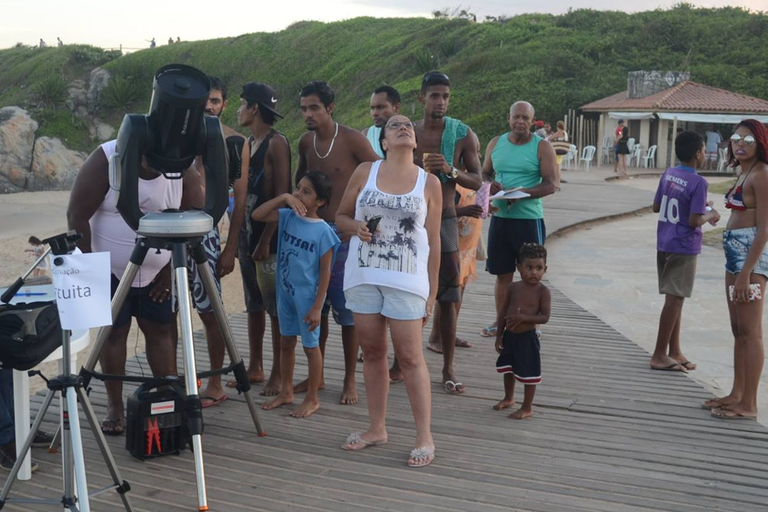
152,43
170,40
42,43
59,41
178,39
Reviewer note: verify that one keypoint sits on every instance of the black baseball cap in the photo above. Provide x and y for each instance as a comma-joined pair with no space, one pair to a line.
264,95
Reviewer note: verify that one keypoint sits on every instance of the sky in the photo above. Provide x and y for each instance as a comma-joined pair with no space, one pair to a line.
132,24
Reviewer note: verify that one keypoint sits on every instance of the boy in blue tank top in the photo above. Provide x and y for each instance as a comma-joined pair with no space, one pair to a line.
306,249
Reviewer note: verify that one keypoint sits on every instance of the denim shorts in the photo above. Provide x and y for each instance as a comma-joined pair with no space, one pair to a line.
368,299
736,244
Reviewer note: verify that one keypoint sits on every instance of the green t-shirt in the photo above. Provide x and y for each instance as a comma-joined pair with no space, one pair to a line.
518,166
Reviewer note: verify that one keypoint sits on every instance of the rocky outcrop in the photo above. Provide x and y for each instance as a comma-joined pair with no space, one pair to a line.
54,167
96,83
17,139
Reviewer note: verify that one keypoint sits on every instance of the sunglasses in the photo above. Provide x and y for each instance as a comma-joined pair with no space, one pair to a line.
394,125
748,139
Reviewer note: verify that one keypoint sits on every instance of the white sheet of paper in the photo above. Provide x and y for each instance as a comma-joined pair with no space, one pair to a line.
514,193
82,284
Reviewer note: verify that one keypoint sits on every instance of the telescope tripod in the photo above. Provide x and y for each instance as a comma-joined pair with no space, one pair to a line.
180,247
76,496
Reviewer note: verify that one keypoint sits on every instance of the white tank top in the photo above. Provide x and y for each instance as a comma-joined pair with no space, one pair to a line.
398,254
110,233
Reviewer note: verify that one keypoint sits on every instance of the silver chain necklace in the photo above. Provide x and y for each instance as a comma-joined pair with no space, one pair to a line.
314,143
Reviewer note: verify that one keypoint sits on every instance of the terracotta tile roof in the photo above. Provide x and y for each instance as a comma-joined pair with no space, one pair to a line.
686,97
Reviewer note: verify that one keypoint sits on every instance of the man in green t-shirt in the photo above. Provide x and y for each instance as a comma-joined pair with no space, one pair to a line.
518,158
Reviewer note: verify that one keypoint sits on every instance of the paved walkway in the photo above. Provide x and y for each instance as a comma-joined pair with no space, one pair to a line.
608,434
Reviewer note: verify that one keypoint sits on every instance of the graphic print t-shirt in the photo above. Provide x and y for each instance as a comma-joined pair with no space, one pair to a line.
681,193
301,244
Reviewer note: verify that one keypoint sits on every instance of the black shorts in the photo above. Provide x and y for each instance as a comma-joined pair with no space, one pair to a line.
521,357
254,303
139,304
506,237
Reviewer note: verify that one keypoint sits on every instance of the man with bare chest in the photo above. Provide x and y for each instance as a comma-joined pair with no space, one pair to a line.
444,145
336,151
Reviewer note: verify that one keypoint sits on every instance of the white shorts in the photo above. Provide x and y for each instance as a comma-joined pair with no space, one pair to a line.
368,299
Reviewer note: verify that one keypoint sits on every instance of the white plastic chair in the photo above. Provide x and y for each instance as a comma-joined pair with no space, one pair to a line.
587,154
634,155
569,158
631,144
650,157
606,151
722,161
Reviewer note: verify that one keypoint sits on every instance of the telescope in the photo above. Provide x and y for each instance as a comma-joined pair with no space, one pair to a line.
167,141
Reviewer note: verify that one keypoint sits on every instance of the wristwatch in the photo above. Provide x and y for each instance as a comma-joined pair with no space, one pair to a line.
454,173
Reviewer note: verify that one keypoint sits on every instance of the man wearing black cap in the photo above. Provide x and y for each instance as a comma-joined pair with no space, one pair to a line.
336,151
266,173
444,146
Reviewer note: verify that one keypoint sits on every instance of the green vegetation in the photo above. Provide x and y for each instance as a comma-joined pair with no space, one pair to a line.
64,125
51,91
121,93
721,188
555,62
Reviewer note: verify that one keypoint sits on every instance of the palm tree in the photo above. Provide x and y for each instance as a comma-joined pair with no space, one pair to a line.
408,224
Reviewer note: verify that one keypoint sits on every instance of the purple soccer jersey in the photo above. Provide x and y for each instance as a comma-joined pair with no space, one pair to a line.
681,193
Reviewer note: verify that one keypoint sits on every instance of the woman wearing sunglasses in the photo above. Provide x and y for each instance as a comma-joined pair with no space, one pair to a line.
392,208
746,268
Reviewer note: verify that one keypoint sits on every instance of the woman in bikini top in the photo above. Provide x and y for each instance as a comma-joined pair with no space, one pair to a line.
734,198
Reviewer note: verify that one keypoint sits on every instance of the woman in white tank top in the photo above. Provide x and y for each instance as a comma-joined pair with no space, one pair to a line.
391,277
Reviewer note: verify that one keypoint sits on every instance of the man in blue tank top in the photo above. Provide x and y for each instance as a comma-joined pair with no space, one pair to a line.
519,158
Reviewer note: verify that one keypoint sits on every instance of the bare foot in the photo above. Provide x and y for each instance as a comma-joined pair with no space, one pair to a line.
253,378
666,363
461,343
435,348
211,391
357,441
278,401
349,394
716,403
521,414
307,408
684,362
395,375
302,386
271,388
504,404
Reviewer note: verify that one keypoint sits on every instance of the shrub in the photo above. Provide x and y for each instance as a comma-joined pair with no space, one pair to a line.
449,47
120,93
51,91
424,60
92,56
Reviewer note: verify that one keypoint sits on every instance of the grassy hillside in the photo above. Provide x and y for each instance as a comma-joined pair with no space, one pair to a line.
555,62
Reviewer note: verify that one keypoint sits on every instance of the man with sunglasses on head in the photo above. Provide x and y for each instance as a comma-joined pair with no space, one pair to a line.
445,145
336,151
385,103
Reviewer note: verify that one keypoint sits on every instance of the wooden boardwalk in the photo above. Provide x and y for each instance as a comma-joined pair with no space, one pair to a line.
608,435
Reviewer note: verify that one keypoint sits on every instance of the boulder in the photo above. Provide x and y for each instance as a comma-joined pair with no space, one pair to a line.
55,167
96,83
17,140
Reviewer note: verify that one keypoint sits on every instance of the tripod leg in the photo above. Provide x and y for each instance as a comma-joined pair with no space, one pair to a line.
137,258
121,485
201,260
27,445
193,406
76,450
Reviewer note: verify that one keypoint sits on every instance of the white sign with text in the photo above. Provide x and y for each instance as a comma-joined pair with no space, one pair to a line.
82,285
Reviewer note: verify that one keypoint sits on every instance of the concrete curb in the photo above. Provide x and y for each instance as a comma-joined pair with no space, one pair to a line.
599,220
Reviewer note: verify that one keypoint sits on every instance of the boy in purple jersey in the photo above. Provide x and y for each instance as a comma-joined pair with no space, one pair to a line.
681,202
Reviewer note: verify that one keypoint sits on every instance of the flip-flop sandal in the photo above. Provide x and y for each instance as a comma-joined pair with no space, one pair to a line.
452,387
671,368
462,343
713,404
688,365
356,438
727,414
113,427
488,332
233,383
211,401
433,349
421,457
